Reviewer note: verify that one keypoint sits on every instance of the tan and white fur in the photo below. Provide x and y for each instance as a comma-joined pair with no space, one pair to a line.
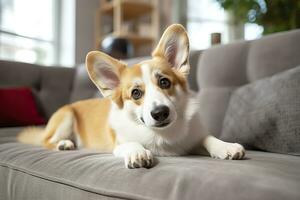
147,111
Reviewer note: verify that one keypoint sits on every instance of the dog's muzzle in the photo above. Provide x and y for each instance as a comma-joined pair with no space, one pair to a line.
160,114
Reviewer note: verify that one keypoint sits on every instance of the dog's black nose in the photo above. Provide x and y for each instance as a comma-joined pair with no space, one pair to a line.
160,113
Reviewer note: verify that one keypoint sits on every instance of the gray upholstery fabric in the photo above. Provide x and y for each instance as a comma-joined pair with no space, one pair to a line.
192,78
213,103
34,173
273,54
56,86
83,87
51,85
266,114
223,68
220,70
223,65
9,134
28,172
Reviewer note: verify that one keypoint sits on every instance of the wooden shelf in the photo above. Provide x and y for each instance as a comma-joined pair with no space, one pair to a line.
131,9
136,39
124,19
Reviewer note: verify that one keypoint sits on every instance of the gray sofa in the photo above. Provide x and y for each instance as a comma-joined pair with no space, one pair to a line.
30,172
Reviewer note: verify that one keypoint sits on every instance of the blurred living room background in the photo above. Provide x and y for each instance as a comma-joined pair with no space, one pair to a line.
62,32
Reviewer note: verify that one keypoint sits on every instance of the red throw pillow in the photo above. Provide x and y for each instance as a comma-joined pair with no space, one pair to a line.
18,108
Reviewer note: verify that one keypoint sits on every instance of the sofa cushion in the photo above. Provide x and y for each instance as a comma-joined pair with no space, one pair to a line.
28,172
220,70
9,134
266,114
51,85
273,54
18,108
56,86
213,104
83,87
225,67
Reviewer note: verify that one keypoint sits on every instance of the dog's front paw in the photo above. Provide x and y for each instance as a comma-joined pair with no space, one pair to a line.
64,145
228,151
140,158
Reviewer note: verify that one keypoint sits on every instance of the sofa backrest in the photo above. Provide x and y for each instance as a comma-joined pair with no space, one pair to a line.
216,71
51,86
83,87
223,68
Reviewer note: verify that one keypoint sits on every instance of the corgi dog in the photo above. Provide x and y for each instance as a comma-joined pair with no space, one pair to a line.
147,110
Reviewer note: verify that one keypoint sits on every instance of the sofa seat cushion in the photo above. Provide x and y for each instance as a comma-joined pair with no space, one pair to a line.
29,172
8,134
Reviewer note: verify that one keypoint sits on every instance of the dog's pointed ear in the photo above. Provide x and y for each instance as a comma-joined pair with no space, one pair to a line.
174,47
104,71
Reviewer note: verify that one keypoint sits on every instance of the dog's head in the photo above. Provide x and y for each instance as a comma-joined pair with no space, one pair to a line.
152,91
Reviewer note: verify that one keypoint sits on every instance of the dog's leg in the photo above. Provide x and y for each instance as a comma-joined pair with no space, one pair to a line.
63,138
223,150
134,154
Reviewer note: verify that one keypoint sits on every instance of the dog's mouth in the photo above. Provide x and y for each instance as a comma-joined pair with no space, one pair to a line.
161,124
158,124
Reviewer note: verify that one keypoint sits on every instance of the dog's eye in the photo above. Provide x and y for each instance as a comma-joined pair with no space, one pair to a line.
136,94
164,83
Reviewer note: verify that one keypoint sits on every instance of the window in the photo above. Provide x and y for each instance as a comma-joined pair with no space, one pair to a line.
29,31
203,18
253,31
